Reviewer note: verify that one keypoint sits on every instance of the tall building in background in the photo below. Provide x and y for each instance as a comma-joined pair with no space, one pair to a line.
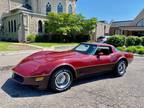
18,18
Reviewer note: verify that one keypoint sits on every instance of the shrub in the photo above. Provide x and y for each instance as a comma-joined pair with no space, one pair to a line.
42,38
132,49
82,38
57,38
130,41
135,49
117,40
140,51
133,41
142,40
121,48
138,41
31,38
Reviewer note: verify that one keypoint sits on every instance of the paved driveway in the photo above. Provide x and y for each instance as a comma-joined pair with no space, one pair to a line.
103,91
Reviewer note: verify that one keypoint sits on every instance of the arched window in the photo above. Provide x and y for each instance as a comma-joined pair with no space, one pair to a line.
141,23
14,25
70,9
40,26
48,8
11,26
59,8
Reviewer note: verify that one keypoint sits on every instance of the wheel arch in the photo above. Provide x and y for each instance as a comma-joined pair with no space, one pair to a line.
123,58
65,66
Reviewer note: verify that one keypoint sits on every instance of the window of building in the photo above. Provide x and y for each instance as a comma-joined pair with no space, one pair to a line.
40,26
11,26
59,8
70,9
104,29
141,23
27,5
14,25
48,8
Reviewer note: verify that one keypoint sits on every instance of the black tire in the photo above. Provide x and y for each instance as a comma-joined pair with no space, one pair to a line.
53,81
120,68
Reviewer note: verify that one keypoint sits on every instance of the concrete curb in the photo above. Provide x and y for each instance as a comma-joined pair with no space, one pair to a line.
17,52
138,55
28,51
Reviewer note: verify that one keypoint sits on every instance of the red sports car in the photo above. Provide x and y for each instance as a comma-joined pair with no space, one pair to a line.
59,69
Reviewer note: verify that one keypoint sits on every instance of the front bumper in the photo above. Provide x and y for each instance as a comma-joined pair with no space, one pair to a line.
42,83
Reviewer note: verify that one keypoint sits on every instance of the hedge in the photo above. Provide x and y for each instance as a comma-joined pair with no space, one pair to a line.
142,40
120,40
117,40
133,41
58,38
133,49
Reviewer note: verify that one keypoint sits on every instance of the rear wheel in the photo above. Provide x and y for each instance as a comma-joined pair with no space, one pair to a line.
120,68
61,80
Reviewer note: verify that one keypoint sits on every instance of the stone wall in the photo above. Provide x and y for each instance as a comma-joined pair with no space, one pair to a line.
33,23
102,29
8,22
4,8
15,3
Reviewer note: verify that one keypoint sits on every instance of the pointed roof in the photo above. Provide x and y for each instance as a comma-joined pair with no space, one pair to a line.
142,12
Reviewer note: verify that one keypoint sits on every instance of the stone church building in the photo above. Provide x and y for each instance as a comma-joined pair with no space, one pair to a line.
18,18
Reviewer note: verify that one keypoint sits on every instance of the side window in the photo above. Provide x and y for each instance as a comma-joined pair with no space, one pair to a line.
105,50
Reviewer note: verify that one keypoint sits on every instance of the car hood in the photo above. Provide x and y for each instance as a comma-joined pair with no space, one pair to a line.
49,56
37,63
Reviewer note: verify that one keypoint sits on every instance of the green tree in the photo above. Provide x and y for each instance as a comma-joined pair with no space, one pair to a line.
63,24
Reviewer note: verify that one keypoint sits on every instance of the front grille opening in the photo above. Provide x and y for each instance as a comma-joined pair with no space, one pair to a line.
18,77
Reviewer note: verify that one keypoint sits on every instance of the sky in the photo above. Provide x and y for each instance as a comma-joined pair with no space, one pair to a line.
117,10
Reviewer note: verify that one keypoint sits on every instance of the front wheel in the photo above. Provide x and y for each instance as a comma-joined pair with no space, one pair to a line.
61,80
120,68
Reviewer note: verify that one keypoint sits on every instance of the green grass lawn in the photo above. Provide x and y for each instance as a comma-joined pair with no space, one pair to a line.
11,46
5,46
53,44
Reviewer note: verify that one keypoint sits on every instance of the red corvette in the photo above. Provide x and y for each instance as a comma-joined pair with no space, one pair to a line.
59,69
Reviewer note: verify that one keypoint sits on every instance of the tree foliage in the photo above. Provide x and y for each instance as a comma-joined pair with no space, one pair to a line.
68,24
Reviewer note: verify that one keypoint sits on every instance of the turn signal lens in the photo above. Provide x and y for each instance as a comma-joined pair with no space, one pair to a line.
39,79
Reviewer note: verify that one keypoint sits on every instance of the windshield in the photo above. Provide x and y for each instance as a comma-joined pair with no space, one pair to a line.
86,48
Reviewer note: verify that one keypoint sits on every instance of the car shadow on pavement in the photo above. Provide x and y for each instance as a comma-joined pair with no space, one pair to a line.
92,78
16,90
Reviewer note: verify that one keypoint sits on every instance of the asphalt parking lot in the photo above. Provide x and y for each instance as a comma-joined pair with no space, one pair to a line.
104,91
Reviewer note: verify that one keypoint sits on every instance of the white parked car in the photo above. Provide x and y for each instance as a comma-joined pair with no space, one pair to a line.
102,39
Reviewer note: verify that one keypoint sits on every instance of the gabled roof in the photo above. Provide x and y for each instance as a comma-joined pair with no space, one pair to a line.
20,8
142,12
